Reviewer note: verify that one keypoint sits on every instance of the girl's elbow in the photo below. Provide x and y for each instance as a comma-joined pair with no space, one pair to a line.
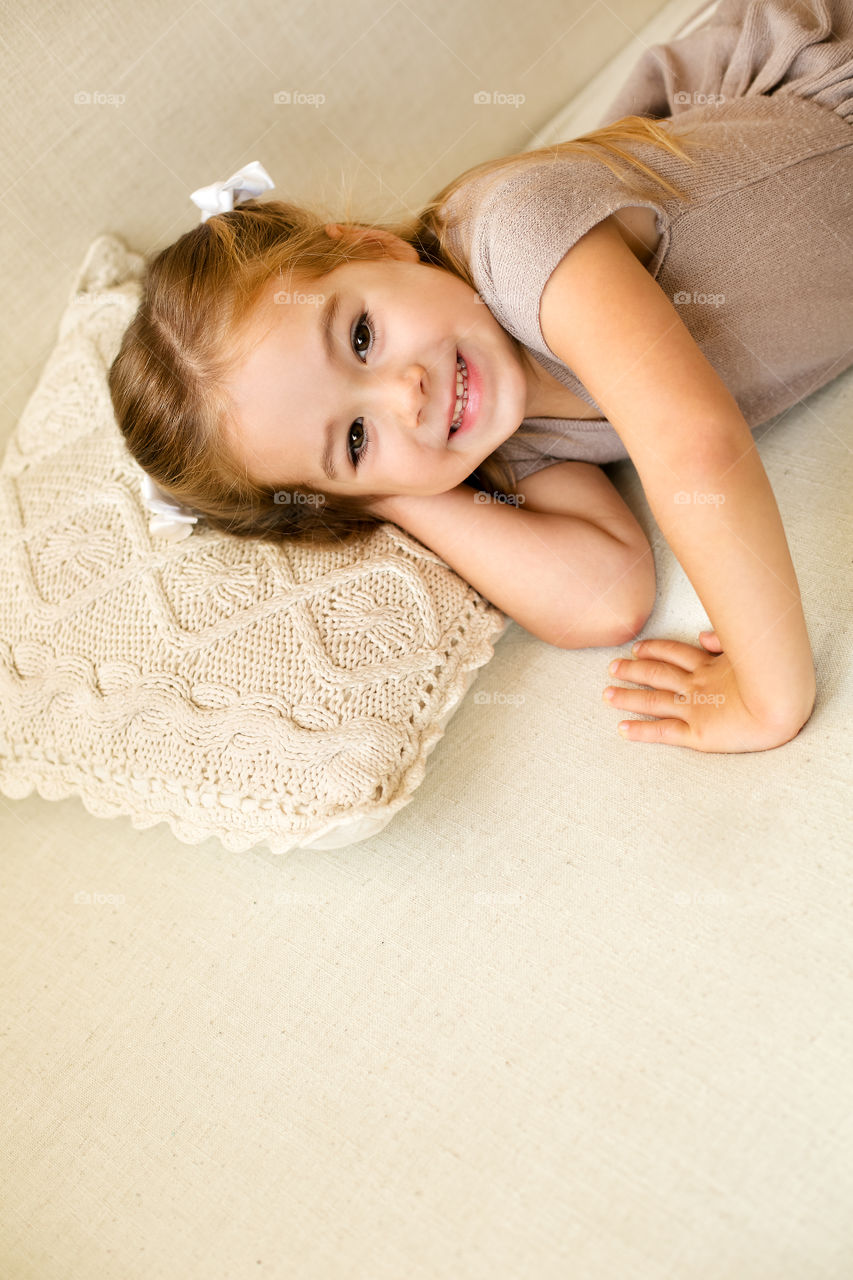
628,634
620,618
609,632
618,633
640,590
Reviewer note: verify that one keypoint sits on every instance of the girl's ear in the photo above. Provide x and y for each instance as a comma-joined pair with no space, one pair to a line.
393,245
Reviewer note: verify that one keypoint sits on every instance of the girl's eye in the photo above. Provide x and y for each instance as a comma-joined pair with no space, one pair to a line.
365,321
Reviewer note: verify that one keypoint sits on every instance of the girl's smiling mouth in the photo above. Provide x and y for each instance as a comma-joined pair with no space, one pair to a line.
466,397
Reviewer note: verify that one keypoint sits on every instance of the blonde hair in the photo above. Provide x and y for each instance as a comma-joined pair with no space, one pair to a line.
167,381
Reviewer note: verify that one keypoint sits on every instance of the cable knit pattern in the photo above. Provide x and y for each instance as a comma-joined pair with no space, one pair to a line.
283,696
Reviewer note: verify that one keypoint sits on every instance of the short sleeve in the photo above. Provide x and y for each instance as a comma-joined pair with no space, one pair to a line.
525,226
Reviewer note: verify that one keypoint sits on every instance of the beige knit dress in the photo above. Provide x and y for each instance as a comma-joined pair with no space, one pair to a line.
758,256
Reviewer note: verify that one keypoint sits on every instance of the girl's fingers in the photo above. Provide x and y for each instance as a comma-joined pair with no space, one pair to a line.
711,641
681,655
661,675
675,733
647,702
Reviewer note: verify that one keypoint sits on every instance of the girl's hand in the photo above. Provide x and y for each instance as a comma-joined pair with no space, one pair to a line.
694,693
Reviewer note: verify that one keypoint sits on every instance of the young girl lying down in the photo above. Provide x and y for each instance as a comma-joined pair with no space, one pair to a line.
656,290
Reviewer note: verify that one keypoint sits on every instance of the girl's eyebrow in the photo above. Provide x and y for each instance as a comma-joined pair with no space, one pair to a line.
329,454
328,316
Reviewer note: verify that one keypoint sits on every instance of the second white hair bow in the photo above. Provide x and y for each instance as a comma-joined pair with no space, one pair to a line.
169,519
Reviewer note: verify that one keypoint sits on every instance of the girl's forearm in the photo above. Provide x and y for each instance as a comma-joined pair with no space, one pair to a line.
720,517
561,577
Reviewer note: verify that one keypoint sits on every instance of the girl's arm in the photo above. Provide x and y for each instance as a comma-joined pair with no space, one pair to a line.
570,581
604,316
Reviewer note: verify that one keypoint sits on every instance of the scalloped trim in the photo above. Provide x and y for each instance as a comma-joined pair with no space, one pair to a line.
224,821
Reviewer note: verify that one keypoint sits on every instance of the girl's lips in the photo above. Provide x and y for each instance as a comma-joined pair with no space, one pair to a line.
472,407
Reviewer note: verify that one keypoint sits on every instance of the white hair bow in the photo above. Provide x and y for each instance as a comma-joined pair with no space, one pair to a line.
169,519
221,197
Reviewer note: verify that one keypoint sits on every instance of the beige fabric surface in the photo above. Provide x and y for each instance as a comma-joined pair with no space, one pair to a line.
582,1008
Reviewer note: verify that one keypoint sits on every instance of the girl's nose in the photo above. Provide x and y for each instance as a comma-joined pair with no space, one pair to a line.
402,399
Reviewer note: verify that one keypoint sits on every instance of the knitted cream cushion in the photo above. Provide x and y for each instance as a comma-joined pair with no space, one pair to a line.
272,695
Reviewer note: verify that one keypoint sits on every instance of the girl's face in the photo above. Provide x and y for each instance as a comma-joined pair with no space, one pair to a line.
381,392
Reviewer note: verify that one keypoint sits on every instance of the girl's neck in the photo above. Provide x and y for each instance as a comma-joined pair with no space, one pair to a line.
546,395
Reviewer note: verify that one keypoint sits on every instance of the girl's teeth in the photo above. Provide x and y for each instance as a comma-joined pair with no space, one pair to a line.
461,393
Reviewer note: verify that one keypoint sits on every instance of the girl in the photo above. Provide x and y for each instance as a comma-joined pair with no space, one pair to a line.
655,289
